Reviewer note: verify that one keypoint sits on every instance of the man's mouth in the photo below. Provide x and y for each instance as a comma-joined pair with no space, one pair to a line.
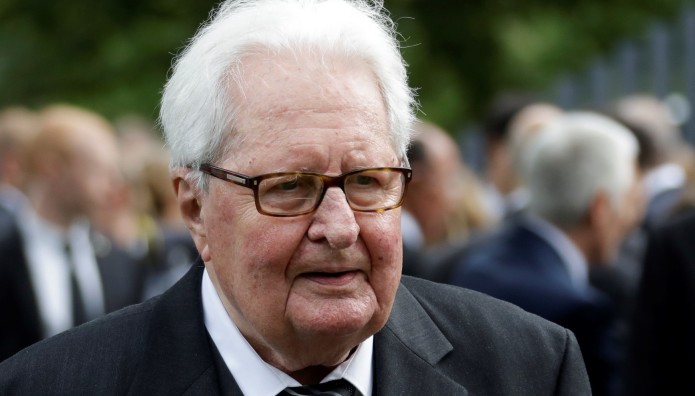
331,278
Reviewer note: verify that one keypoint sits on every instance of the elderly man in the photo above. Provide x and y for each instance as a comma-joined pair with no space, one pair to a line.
581,174
288,124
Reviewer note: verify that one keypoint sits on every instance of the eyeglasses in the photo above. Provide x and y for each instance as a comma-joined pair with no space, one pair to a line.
286,194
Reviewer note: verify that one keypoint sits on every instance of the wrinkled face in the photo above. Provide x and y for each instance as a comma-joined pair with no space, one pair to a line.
304,290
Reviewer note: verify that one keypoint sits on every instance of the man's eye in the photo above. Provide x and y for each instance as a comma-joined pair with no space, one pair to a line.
365,180
288,185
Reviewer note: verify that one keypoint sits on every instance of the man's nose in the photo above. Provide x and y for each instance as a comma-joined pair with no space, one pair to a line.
334,221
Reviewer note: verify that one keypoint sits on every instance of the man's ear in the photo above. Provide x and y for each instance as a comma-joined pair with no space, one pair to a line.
189,201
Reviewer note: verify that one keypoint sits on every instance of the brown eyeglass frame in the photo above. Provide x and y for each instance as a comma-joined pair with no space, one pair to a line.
328,181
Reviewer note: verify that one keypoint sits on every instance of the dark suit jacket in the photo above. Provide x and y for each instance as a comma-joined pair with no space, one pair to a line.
662,353
21,324
517,265
439,340
661,207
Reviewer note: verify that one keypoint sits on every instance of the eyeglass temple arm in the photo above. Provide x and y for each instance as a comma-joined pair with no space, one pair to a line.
225,175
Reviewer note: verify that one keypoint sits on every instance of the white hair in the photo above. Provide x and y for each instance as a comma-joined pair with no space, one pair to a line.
575,158
197,110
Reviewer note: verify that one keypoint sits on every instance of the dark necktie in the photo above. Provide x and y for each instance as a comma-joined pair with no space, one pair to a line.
79,315
339,387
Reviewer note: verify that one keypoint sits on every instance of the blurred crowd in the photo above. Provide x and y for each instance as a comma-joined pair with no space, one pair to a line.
580,216
88,220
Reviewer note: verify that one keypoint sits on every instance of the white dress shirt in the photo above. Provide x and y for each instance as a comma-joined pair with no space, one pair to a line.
49,270
410,230
258,378
663,177
12,199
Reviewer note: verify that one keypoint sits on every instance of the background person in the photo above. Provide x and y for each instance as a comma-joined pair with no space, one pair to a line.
56,272
580,174
18,127
444,201
444,196
500,176
661,355
670,160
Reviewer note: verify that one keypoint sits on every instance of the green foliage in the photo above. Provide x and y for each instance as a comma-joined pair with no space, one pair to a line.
113,56
515,45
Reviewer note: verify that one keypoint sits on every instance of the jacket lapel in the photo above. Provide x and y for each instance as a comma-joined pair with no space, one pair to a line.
407,351
179,359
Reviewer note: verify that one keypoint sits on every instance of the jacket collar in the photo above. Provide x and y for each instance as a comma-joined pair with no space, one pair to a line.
179,359
411,343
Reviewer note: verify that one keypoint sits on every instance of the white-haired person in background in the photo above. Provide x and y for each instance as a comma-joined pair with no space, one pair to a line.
669,160
288,123
580,171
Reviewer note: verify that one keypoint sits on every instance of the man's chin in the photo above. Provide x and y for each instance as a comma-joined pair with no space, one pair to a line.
337,316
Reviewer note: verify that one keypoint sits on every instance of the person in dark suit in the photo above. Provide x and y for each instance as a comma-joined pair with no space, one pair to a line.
56,271
663,161
444,200
299,281
661,356
580,175
665,171
499,173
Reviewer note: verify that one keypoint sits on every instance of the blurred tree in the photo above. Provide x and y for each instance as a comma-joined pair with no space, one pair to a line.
113,56
462,53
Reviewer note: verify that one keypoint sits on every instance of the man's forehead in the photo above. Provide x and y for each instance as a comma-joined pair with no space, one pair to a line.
277,72
284,85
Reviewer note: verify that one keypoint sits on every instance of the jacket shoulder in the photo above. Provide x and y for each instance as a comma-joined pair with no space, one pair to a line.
449,303
496,347
99,357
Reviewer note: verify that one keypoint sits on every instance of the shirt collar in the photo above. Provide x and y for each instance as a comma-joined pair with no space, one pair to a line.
664,177
572,258
34,226
11,198
43,244
256,377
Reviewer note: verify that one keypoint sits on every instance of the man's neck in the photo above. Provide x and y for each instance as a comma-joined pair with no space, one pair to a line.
581,239
311,374
49,213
